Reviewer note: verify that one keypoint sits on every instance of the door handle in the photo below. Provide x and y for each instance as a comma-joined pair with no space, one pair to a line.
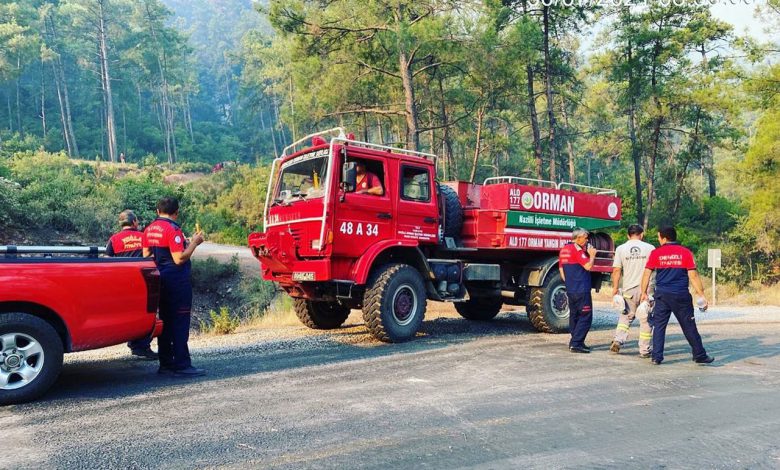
384,215
429,220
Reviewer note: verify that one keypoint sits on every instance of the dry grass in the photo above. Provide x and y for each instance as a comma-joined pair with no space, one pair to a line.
279,313
754,294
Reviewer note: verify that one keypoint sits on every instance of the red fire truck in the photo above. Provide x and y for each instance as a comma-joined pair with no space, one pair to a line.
480,246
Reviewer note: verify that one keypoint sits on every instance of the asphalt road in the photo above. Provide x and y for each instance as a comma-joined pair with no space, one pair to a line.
463,394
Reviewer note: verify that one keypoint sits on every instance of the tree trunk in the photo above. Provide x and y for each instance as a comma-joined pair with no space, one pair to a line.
10,114
710,170
124,131
43,101
106,79
409,101
66,98
65,135
480,115
446,140
534,121
292,111
405,70
656,139
165,100
19,127
549,91
569,146
189,118
636,156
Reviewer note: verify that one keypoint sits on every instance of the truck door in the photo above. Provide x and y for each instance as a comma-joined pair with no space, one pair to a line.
417,215
363,219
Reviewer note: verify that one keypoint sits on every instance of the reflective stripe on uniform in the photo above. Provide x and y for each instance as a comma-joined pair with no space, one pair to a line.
645,335
623,326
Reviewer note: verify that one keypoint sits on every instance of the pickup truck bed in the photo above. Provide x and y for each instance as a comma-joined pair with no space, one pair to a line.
61,299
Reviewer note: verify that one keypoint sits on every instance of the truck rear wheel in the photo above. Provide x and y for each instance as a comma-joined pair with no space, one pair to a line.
479,308
548,307
30,357
394,303
319,315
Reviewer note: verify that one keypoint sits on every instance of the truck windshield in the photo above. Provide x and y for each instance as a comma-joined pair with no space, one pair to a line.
303,177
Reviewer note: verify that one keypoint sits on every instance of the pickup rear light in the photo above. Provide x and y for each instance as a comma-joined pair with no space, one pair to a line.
152,280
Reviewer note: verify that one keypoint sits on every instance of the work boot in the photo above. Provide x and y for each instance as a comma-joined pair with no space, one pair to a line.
163,370
655,363
145,354
615,348
189,372
579,349
704,360
645,355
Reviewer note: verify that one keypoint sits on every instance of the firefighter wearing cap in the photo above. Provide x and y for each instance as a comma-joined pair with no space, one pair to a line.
574,263
629,265
674,268
164,240
128,242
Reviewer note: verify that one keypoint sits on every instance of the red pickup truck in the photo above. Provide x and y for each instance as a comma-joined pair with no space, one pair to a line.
65,299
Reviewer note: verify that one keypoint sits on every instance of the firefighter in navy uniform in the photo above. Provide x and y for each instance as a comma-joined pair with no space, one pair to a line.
674,268
574,263
128,242
164,240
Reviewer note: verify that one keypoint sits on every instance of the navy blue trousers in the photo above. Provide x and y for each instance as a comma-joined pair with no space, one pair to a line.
175,312
580,317
682,307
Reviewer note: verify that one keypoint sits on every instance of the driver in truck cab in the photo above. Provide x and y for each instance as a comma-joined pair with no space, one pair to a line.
367,182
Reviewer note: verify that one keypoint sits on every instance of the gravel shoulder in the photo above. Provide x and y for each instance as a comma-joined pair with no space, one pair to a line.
463,394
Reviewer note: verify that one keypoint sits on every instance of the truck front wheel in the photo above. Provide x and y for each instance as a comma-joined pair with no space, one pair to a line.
30,357
479,308
319,315
394,303
548,307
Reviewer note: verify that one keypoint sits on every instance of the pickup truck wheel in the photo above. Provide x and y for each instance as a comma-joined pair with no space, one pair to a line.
548,307
394,303
320,315
30,357
479,308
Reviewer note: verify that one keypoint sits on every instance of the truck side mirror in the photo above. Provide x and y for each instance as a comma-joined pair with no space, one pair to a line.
349,177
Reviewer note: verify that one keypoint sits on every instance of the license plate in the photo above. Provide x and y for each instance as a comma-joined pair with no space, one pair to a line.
303,276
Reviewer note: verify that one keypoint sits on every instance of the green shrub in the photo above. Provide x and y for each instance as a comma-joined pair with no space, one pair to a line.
222,323
15,143
190,167
229,204
11,212
207,273
256,294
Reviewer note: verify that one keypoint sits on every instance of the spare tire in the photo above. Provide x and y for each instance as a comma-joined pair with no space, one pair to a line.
453,212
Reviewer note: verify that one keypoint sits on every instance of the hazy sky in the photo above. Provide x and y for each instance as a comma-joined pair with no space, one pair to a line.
743,18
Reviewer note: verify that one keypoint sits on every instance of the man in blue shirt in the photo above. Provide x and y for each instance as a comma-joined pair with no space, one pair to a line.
674,268
574,264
